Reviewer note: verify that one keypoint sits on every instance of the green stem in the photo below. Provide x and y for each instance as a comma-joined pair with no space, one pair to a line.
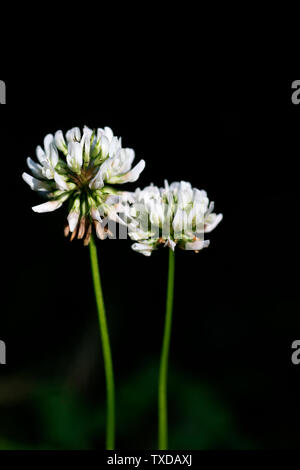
163,372
110,388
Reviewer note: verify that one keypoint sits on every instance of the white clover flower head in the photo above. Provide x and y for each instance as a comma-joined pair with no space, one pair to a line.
176,215
80,167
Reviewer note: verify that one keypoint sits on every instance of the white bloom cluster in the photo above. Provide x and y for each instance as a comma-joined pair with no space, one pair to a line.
79,167
174,215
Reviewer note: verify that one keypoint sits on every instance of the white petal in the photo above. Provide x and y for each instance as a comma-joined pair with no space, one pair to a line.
210,208
178,221
97,181
156,212
104,145
73,219
35,184
53,155
142,248
109,133
96,215
35,168
214,221
73,135
87,135
125,158
74,157
100,232
100,133
40,154
129,177
48,143
60,142
197,245
87,130
134,174
130,154
114,147
60,182
47,207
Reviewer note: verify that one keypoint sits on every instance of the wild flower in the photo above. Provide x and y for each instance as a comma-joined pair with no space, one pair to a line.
176,215
80,168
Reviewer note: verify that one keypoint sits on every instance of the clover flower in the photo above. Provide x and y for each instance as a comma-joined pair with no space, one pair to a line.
174,215
79,167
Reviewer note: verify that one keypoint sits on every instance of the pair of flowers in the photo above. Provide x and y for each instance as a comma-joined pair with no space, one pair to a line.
84,168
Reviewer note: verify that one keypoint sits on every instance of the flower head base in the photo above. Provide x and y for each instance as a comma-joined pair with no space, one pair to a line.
79,167
174,215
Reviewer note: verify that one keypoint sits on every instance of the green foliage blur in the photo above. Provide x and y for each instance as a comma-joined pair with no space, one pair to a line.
63,419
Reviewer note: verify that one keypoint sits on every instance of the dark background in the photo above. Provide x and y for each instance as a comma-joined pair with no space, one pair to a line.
232,384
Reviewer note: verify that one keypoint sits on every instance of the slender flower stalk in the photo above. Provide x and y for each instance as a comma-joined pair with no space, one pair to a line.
110,387
163,371
174,216
82,167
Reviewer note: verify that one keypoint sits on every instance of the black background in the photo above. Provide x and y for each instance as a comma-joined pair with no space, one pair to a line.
236,303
